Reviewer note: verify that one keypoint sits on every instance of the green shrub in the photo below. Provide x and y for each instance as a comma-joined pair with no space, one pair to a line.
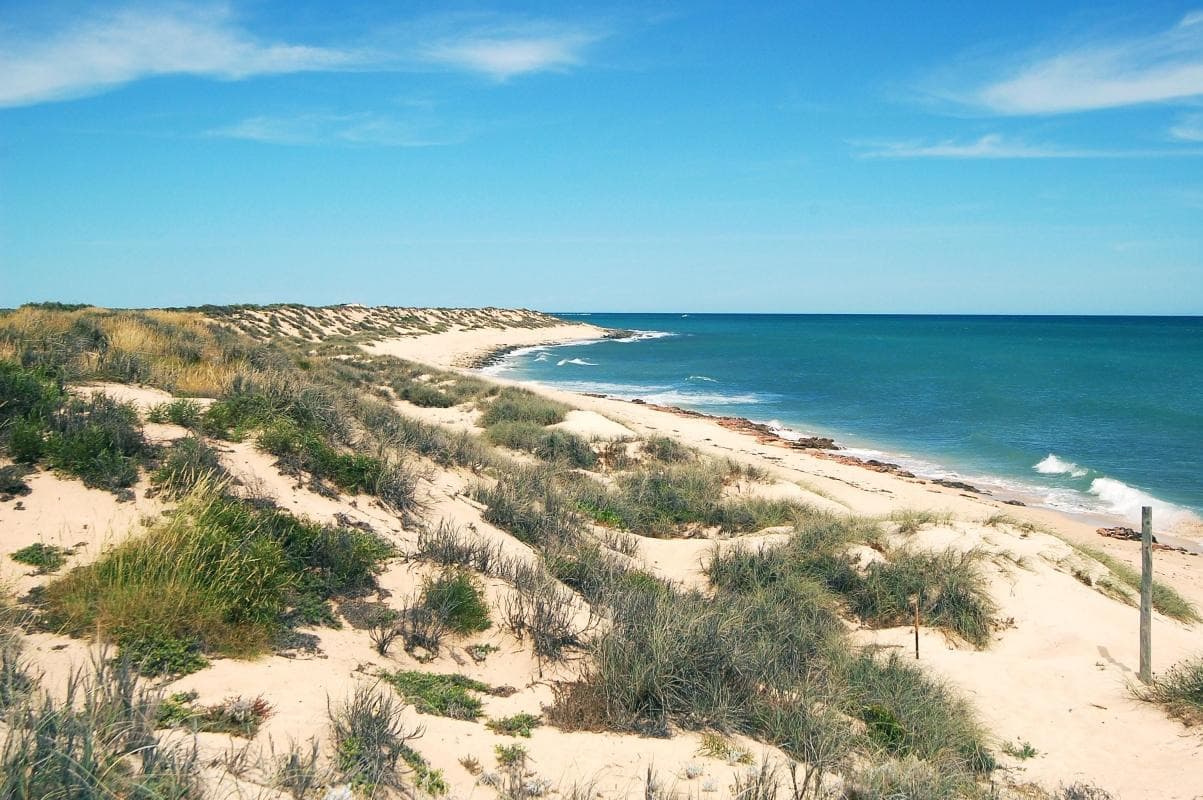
46,557
515,725
185,413
457,598
549,445
99,440
218,576
670,451
26,394
510,755
27,440
188,461
522,405
155,654
442,695
302,449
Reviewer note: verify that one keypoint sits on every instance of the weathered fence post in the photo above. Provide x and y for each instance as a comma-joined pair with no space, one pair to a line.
1146,594
918,597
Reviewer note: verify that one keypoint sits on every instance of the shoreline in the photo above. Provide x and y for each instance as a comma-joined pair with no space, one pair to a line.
827,448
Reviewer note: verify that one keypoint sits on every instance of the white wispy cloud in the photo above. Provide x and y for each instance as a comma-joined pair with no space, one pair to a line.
323,129
502,53
1188,129
996,146
1157,67
91,55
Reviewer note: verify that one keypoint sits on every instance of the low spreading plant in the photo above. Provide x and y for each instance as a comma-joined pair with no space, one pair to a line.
442,695
46,557
515,725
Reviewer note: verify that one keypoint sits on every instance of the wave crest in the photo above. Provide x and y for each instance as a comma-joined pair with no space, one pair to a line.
1052,465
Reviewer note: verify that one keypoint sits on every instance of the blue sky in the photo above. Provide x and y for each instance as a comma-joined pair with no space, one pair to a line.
812,157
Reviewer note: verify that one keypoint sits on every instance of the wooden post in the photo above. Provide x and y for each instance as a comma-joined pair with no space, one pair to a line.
1146,594
917,626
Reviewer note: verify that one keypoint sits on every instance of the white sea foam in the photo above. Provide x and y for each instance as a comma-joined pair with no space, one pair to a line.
1052,465
640,336
664,395
580,362
706,378
675,397
1126,501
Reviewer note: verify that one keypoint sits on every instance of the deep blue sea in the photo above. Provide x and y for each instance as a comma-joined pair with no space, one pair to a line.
1083,414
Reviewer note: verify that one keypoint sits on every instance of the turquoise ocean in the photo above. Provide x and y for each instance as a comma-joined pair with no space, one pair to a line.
1090,415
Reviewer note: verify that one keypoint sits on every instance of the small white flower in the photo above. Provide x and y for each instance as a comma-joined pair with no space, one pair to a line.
340,793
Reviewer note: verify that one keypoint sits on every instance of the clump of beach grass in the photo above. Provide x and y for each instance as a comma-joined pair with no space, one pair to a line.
219,576
457,598
1179,689
1166,599
370,739
512,404
546,444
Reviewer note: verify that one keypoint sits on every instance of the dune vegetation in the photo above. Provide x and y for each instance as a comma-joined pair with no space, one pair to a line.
762,649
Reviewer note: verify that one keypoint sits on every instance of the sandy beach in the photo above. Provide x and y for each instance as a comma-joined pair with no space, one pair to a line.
1057,677
1051,685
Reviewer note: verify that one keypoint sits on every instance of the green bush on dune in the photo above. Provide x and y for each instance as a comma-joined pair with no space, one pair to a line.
522,405
219,576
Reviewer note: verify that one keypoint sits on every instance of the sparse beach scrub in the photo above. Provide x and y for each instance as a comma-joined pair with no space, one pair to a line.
184,353
1179,689
512,404
549,445
219,576
185,463
94,739
96,438
949,584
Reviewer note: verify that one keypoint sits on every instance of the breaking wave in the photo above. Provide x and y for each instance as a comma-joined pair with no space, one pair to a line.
1052,465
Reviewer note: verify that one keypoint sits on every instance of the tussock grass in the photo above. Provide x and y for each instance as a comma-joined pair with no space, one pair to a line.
370,740
183,412
512,404
219,576
457,598
1165,598
911,521
1179,690
187,462
667,450
950,584
549,445
96,739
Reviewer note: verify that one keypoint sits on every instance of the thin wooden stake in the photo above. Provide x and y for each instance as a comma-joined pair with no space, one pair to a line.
917,626
1146,594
